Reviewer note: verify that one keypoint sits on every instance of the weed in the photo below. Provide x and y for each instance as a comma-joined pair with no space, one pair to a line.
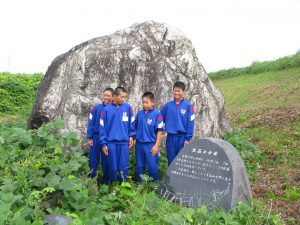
249,153
18,93
40,175
291,194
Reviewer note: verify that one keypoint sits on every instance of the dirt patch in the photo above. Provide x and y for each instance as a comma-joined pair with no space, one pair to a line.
276,117
268,91
293,91
276,178
270,189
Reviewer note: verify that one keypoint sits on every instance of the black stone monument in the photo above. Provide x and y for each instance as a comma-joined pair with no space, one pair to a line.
209,172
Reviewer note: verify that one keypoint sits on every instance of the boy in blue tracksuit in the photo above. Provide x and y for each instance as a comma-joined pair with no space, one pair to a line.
116,135
149,126
178,116
93,136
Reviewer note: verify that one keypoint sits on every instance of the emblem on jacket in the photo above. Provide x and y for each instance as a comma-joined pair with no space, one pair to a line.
149,121
183,112
124,117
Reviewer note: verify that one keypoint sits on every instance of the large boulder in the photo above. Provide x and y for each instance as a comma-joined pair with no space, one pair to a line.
147,56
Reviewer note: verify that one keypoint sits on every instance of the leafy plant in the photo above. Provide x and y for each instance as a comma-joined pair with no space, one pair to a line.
40,175
291,194
249,153
18,92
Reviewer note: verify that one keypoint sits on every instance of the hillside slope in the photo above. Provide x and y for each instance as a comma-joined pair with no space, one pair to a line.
266,107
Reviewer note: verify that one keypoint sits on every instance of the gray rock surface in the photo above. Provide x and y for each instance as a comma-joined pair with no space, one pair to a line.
208,171
147,56
57,220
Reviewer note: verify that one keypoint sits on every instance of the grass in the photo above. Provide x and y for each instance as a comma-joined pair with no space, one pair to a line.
18,120
286,62
266,107
261,91
281,145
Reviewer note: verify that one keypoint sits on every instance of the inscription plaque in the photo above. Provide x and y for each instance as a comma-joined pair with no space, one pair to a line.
206,171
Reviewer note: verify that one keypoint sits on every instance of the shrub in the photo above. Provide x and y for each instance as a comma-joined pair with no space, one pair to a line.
18,93
249,153
40,175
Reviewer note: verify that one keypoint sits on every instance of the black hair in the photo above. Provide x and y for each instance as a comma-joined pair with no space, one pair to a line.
149,95
179,84
119,90
110,90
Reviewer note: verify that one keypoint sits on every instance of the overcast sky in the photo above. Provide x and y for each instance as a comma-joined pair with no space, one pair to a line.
225,33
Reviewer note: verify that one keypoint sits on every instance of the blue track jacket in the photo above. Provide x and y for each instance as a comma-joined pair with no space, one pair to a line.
93,122
116,124
147,124
179,118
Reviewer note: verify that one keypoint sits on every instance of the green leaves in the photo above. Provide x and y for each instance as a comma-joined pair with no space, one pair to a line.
50,136
1,140
291,194
18,92
36,169
16,136
53,180
40,174
10,198
68,184
249,153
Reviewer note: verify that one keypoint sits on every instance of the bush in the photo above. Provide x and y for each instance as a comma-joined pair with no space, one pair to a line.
251,155
18,93
40,175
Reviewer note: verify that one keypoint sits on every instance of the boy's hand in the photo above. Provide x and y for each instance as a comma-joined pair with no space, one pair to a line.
154,150
90,143
105,150
186,142
130,142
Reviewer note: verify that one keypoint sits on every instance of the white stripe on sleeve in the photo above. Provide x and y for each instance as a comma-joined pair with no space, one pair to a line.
132,119
192,117
160,125
101,122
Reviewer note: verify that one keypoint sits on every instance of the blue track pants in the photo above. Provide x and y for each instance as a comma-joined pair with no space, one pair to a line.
144,157
94,157
174,144
118,161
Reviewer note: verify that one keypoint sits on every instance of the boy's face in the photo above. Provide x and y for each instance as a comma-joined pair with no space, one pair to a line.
147,104
178,93
107,97
120,99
